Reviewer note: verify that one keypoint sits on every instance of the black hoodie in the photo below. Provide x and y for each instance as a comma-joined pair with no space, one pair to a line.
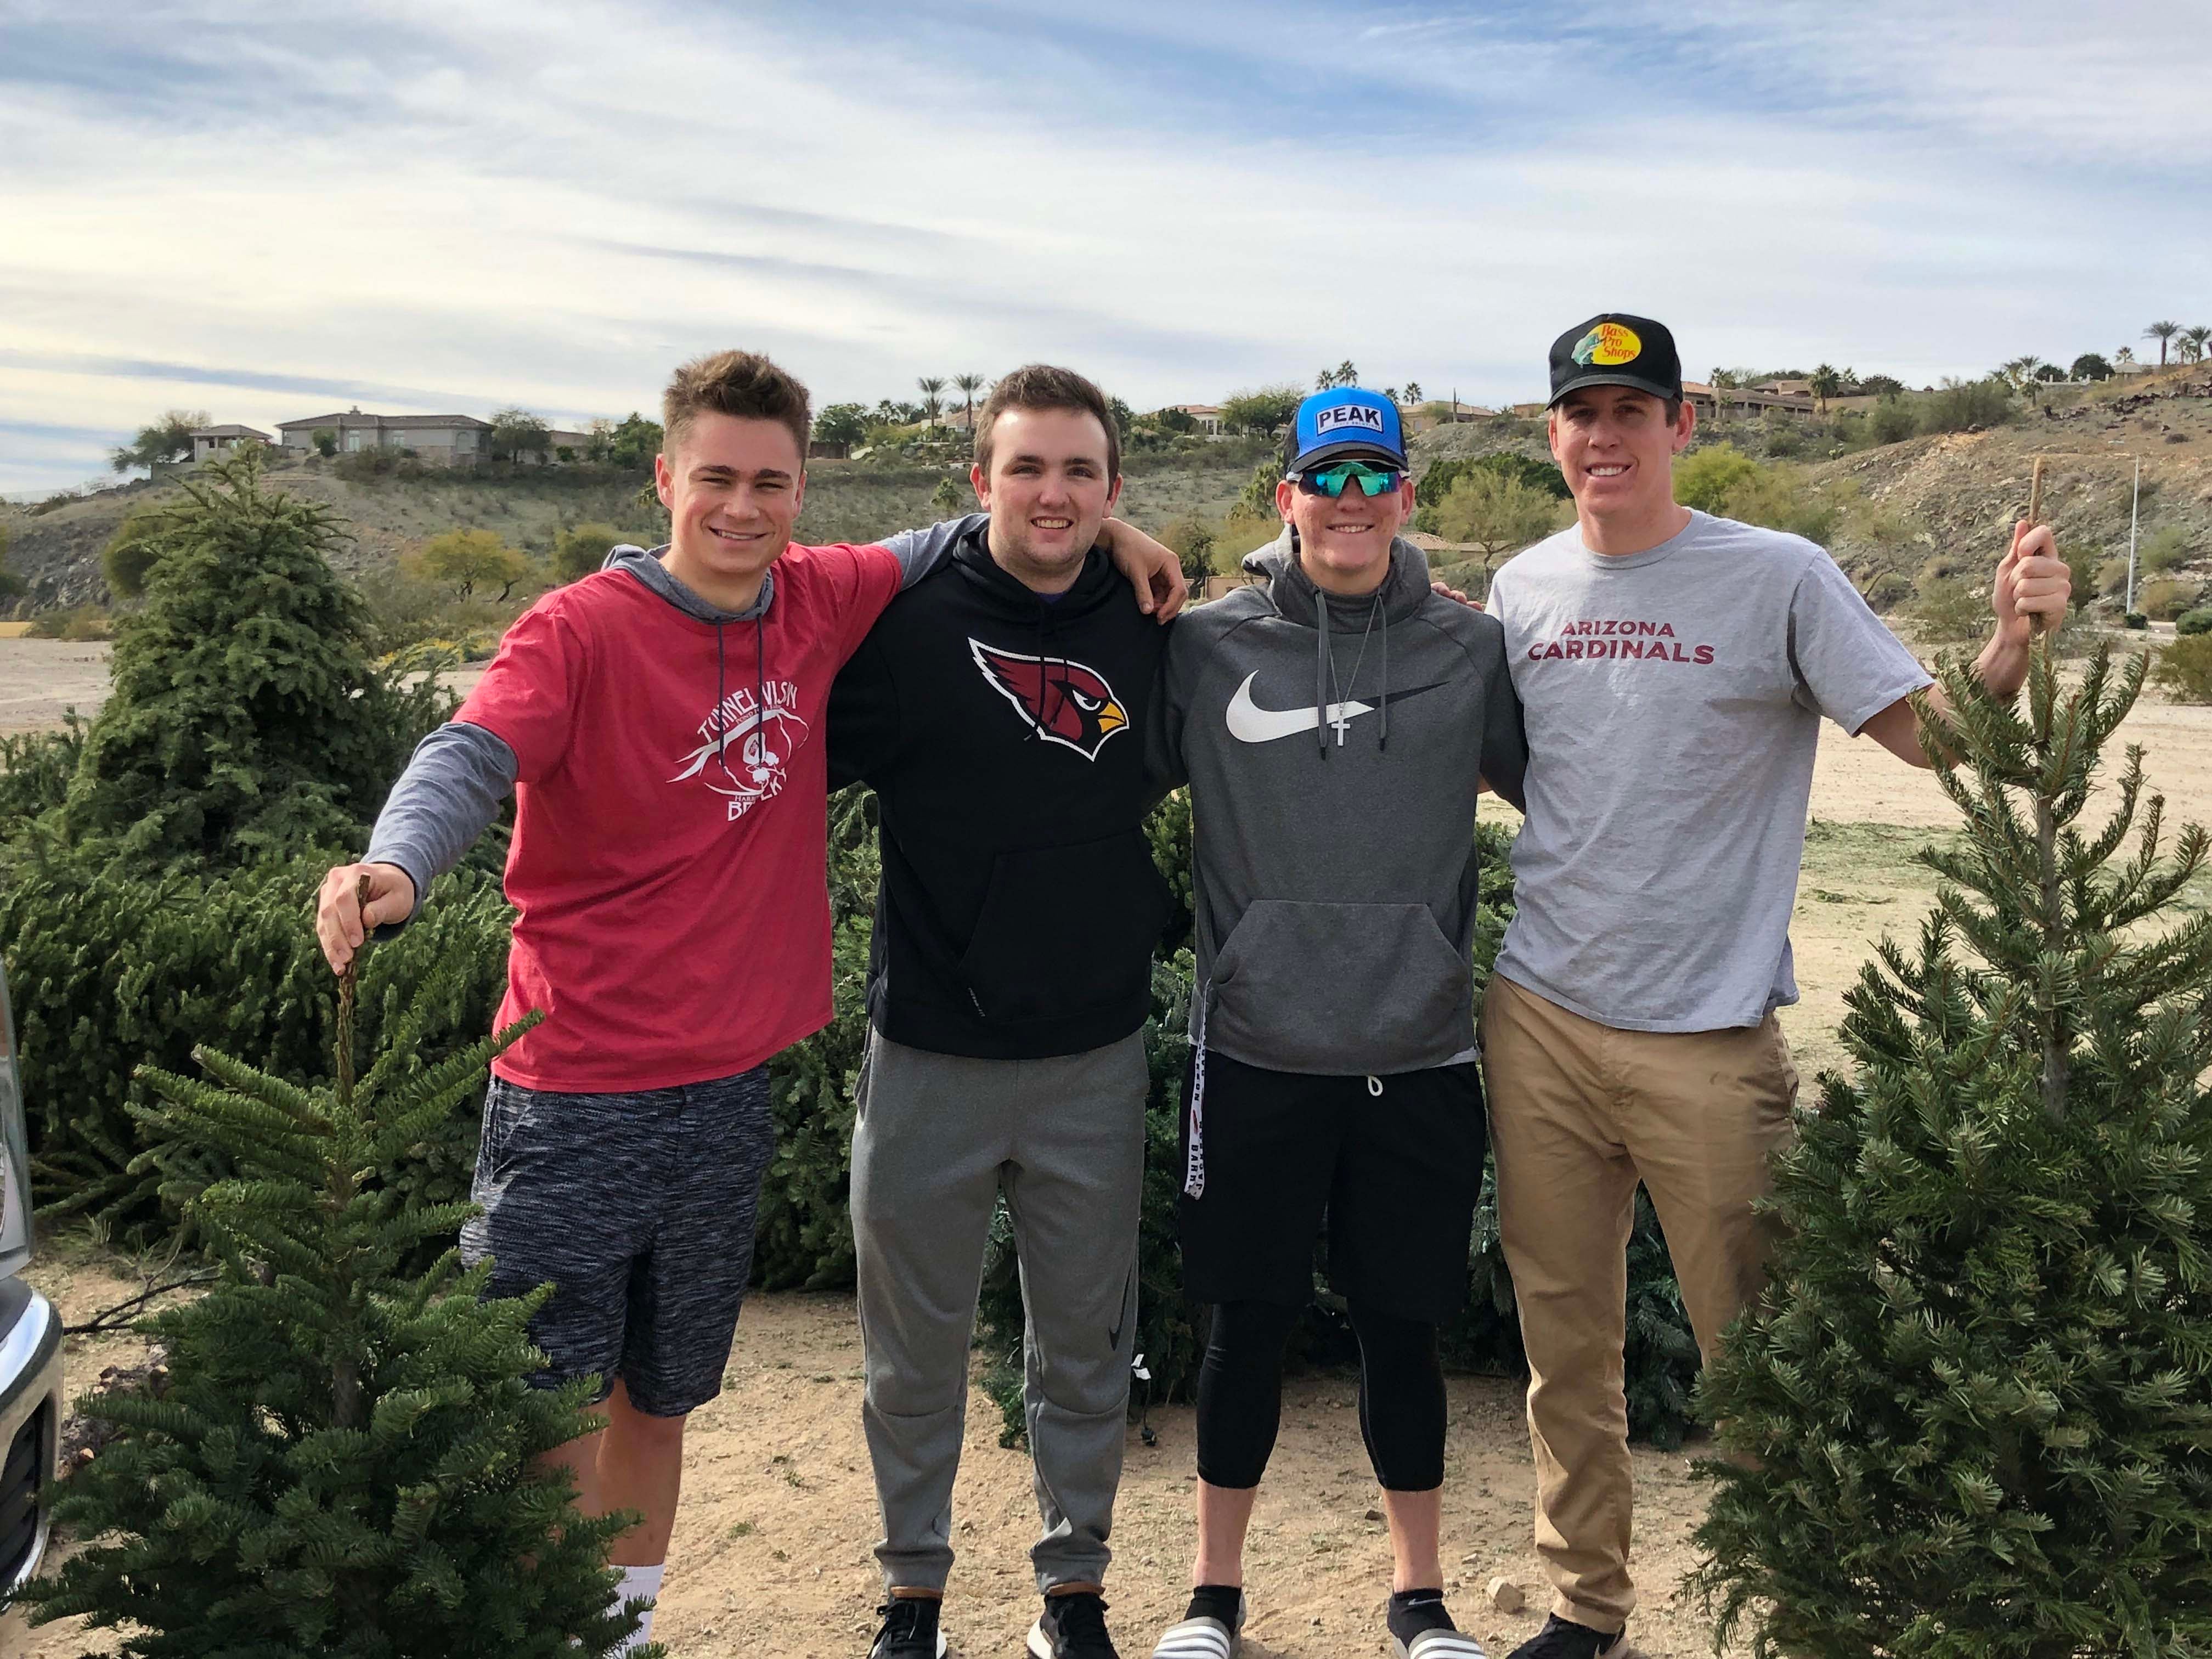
1004,736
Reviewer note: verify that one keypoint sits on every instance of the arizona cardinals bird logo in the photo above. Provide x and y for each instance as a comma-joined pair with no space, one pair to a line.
1063,702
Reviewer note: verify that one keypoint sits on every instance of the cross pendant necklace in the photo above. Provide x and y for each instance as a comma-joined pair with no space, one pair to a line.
1338,722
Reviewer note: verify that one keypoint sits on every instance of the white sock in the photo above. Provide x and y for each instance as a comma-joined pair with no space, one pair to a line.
639,1583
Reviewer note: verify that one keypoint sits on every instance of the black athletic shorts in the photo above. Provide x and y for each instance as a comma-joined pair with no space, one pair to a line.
1394,1164
639,1207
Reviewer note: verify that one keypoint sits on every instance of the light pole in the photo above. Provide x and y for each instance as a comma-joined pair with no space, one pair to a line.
2134,517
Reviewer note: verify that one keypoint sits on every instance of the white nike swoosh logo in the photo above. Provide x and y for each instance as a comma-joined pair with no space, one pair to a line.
1249,723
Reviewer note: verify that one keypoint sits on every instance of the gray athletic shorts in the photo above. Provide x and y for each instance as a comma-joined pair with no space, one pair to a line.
639,1209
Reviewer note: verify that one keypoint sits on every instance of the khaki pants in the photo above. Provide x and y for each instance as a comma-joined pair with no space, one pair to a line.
1578,1113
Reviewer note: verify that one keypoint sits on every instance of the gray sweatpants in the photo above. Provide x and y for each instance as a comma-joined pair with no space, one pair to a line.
938,1138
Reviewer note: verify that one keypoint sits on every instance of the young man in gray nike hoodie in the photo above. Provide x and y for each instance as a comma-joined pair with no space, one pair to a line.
1335,724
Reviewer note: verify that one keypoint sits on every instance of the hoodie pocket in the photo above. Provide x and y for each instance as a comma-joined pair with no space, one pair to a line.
1340,988
1066,931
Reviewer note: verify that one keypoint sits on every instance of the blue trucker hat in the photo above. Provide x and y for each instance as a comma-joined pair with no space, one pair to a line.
1346,420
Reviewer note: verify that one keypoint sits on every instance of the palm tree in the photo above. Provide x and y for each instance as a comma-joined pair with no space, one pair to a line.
2194,341
1412,391
1825,383
931,386
970,385
2124,355
2161,332
1346,374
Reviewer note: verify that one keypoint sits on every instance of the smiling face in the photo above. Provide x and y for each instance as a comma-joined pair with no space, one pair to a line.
1617,449
1344,545
732,487
1049,488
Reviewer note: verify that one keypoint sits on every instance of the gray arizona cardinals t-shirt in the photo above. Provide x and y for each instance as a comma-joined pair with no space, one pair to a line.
1673,699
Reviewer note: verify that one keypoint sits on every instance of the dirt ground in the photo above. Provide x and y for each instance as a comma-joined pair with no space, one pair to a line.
771,1555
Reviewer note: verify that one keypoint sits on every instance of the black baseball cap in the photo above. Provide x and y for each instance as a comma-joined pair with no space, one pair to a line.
1615,348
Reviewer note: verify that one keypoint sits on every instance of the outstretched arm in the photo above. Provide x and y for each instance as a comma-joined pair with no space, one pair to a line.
2032,587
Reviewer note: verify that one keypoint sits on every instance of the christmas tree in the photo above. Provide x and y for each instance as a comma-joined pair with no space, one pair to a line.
342,1463
1972,1413
246,719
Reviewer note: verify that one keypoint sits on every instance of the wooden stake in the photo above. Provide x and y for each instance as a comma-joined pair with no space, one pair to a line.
2035,517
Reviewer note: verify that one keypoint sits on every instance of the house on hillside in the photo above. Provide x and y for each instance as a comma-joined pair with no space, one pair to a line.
1785,388
1742,402
1424,416
1208,416
215,443
444,438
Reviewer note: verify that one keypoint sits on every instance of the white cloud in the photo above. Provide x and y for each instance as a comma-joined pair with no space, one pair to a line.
549,204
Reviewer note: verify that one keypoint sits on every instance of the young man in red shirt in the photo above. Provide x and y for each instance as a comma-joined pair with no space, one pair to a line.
659,722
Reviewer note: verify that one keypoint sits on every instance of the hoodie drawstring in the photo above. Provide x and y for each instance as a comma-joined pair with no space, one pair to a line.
1383,702
1321,677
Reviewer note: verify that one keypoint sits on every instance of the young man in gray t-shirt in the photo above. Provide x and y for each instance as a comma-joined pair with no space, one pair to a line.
1673,668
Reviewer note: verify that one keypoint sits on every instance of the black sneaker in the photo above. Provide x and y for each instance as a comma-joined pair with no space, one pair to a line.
909,1630
1563,1638
1072,1628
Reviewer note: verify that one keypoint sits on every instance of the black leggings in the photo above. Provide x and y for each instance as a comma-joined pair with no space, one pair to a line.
1240,1395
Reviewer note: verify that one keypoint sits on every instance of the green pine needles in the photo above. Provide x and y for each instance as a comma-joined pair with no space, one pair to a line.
343,1462
1973,1414
246,719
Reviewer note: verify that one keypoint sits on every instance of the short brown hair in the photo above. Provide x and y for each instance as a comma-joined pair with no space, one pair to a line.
1040,385
740,383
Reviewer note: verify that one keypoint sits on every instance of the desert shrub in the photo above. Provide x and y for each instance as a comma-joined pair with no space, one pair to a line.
2184,668
1194,539
1962,406
245,718
378,463
2135,620
1703,478
1886,590
111,968
2194,622
83,623
2167,548
1437,482
1892,421
1950,611
2165,600
581,548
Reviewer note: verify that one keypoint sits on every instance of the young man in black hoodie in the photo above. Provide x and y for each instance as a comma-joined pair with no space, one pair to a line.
998,710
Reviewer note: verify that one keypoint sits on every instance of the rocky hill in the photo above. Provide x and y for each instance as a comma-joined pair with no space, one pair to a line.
1909,507
58,550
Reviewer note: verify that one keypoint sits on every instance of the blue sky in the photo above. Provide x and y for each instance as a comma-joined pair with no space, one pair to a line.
269,211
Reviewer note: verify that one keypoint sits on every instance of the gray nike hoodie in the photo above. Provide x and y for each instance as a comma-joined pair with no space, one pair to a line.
1334,748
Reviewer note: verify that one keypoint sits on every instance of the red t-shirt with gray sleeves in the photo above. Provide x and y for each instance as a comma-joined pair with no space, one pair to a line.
668,865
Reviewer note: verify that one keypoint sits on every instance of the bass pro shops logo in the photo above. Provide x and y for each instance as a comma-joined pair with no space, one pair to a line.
1062,702
1608,345
748,747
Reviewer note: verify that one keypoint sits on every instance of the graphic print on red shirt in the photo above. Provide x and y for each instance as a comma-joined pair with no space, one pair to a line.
668,865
